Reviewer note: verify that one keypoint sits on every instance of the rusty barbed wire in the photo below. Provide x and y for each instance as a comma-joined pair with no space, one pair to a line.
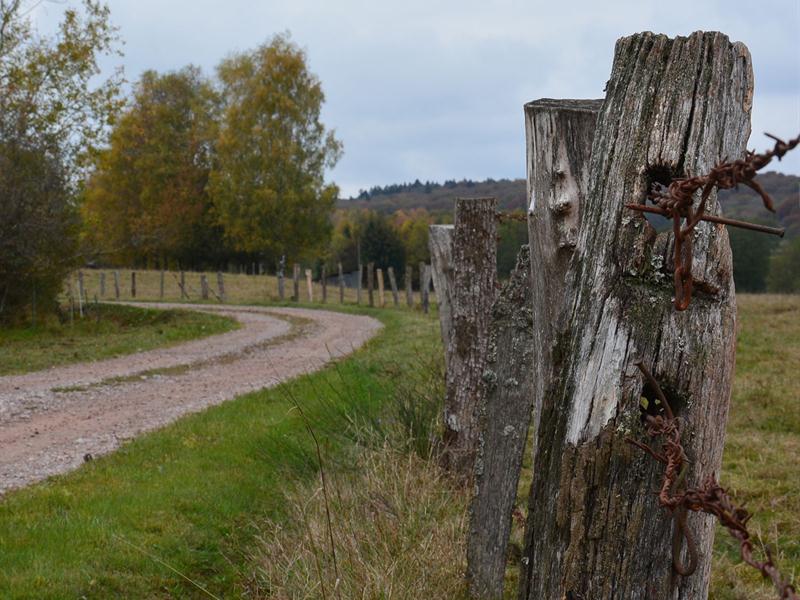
676,200
710,497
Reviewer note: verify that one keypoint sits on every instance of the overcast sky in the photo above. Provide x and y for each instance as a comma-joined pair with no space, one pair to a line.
434,90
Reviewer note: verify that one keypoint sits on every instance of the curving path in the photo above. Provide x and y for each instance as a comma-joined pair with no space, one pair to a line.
50,420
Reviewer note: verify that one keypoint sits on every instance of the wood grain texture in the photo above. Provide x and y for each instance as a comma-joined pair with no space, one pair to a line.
440,244
594,527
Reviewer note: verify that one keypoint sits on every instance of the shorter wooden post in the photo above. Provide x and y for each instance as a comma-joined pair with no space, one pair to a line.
281,291
183,286
381,296
309,285
221,286
203,286
133,284
161,287
409,286
393,283
296,281
324,284
358,285
341,284
102,284
116,284
371,282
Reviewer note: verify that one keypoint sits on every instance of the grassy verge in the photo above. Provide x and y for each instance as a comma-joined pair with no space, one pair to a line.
175,512
107,330
400,527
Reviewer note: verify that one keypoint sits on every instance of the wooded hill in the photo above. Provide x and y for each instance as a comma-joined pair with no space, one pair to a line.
742,203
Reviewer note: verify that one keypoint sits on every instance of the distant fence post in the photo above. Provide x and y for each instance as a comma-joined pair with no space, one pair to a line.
381,296
341,284
473,294
310,285
116,284
203,286
133,284
280,274
371,282
358,286
324,284
409,276
102,284
393,283
182,285
296,283
221,286
421,283
161,285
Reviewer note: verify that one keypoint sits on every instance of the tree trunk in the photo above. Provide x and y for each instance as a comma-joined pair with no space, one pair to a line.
440,243
474,290
504,416
595,529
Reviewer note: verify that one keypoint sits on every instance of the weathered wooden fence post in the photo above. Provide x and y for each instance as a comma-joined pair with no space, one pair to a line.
341,284
296,283
393,284
473,294
504,415
221,286
309,285
102,284
203,286
559,143
381,296
440,244
595,530
324,284
182,285
281,274
161,285
371,282
133,284
116,284
409,277
358,286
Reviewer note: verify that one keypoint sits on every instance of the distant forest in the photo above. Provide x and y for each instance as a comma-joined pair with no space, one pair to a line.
761,262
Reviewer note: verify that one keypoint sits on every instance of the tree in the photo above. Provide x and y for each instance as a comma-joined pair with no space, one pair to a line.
381,244
268,185
147,198
52,117
784,268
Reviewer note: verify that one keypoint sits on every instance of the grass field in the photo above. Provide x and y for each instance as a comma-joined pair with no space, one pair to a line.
231,498
106,330
185,502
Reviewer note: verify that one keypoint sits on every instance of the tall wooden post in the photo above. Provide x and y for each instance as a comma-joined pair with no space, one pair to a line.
221,286
324,284
393,284
358,284
309,285
370,282
440,243
296,283
474,290
133,284
381,296
409,277
203,286
673,106
116,285
341,284
559,144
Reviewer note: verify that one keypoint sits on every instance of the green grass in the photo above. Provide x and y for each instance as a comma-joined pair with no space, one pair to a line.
190,494
107,330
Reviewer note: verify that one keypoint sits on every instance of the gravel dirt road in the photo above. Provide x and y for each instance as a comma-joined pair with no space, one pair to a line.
50,420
